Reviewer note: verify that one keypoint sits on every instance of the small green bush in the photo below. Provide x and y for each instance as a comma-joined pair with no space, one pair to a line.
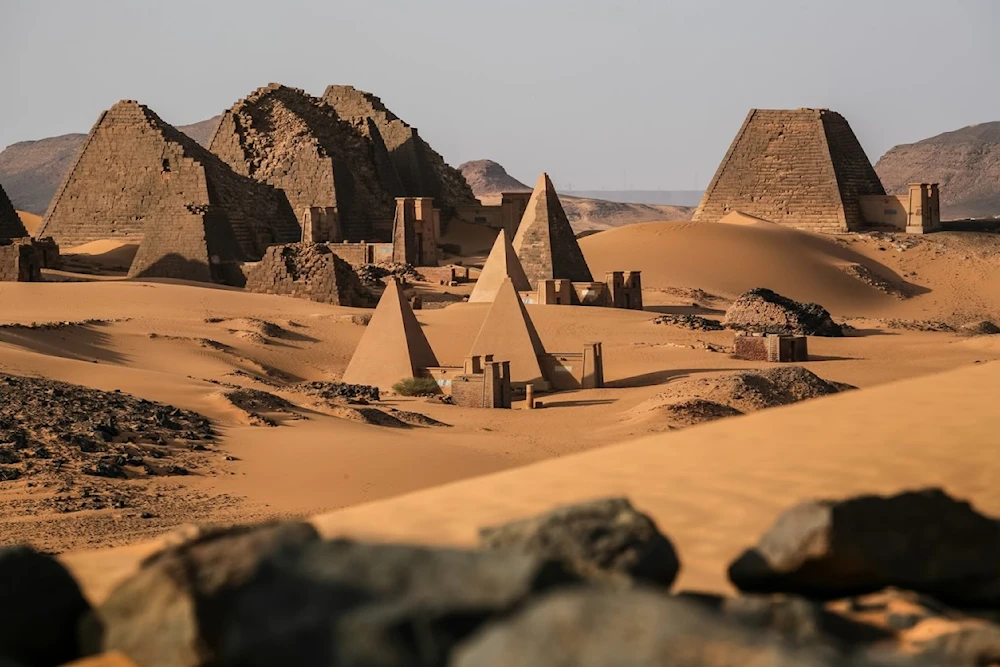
416,387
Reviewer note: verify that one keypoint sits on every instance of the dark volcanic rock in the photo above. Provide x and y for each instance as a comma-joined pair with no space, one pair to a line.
345,603
923,541
173,611
600,539
40,606
763,311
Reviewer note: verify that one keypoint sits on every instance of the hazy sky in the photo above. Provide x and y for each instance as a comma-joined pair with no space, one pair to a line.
645,93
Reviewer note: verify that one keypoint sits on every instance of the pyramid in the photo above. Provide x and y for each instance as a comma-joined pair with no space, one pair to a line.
136,174
502,264
286,138
508,334
10,224
803,168
545,242
393,347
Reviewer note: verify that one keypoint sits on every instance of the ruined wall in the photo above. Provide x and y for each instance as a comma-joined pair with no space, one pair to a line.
10,224
307,271
421,170
801,167
134,172
286,138
770,347
19,262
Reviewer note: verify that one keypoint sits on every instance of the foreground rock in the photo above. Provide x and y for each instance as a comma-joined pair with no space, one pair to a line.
40,609
602,540
762,311
923,541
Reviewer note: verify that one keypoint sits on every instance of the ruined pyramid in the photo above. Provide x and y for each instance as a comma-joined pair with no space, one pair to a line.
293,141
10,224
803,168
136,178
393,346
422,171
501,265
508,334
545,242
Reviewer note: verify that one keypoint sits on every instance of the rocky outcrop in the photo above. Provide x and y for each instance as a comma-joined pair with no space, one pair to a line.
488,178
762,311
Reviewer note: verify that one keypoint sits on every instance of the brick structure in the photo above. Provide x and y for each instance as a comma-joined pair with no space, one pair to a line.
484,383
803,168
545,242
10,224
416,232
286,138
19,261
136,178
422,172
621,289
320,224
770,347
508,333
307,271
624,289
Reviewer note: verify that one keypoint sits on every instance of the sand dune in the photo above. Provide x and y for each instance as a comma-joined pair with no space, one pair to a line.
30,221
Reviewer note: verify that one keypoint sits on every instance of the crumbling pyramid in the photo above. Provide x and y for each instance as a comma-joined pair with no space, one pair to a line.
801,167
136,178
286,138
422,171
501,265
307,271
545,242
393,347
10,224
508,334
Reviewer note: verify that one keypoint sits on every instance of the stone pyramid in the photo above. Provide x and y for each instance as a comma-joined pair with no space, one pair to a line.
10,224
285,137
422,171
501,265
136,174
802,167
393,347
508,334
545,242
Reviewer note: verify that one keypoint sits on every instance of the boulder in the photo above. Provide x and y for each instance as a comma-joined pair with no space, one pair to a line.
923,541
604,540
347,603
762,311
40,607
172,612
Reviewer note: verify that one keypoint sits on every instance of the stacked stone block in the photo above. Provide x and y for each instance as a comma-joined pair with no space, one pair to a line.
10,224
286,138
307,271
422,172
803,168
771,347
19,262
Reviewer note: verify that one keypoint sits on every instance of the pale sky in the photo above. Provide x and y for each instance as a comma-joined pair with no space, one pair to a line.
645,94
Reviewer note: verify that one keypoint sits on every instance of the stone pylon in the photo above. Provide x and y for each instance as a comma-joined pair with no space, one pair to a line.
501,265
509,335
393,346
545,242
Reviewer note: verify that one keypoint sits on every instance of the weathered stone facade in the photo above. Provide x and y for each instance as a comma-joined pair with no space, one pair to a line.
137,178
307,271
19,262
10,224
484,383
803,168
416,231
770,347
286,138
422,172
545,242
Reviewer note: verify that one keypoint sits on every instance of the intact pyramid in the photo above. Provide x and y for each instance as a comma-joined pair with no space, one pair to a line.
508,334
802,167
501,265
10,223
393,347
136,174
545,242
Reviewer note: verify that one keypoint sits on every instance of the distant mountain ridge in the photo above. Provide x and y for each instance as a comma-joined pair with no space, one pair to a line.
31,171
966,162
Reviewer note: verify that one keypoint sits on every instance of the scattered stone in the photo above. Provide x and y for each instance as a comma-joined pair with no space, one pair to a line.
884,285
255,402
376,275
694,322
916,325
980,328
923,541
601,540
41,608
762,311
339,390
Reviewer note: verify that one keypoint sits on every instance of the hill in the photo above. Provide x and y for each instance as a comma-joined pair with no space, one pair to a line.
965,162
488,178
30,171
